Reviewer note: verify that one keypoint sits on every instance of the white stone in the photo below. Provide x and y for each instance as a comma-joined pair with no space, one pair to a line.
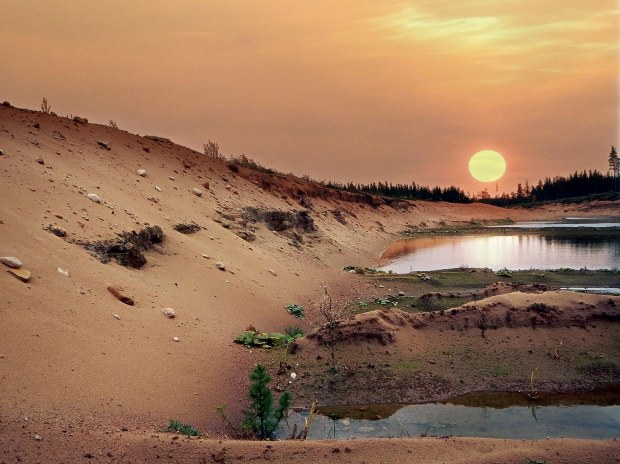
141,172
220,265
38,437
272,272
117,317
206,256
63,271
169,313
11,261
197,192
170,177
176,339
158,188
293,375
94,197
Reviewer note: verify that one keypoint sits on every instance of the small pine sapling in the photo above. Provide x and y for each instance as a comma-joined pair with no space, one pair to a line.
263,418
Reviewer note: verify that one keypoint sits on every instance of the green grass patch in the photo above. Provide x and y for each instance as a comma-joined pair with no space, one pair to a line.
500,372
184,429
407,366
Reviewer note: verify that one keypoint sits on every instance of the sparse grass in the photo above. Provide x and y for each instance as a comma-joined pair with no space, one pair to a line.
600,368
294,331
184,429
500,372
407,366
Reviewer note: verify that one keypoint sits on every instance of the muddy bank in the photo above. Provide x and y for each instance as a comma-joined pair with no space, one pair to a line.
569,340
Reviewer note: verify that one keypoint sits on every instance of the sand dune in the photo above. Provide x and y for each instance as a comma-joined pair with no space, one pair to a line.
71,351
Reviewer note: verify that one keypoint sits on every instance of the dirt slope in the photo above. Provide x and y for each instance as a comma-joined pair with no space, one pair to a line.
63,351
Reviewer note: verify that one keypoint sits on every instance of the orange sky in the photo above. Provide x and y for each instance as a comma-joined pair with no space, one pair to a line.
344,90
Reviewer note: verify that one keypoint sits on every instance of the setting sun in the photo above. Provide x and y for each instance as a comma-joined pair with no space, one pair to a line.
487,166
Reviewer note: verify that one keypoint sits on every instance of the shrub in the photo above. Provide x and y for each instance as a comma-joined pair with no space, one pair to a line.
45,106
294,331
212,149
185,429
263,418
295,310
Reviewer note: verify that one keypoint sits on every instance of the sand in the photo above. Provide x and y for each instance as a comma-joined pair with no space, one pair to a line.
81,365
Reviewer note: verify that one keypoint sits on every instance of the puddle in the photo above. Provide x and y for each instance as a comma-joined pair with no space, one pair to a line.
483,414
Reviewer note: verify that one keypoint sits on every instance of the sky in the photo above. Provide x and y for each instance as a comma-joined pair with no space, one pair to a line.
344,90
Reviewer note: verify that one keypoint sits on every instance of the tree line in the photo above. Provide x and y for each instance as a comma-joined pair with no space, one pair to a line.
411,191
578,184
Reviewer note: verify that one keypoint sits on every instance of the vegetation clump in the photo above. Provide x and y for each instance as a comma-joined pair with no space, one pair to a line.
184,429
254,338
503,273
295,310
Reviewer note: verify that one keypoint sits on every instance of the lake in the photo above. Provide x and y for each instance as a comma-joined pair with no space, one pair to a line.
485,414
512,250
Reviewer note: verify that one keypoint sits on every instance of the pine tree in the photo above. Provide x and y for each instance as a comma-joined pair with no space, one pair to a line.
614,165
262,418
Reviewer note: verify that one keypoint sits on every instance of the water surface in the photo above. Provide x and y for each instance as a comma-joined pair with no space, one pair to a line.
490,415
512,251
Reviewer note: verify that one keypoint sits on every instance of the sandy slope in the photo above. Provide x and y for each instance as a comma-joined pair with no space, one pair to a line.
62,352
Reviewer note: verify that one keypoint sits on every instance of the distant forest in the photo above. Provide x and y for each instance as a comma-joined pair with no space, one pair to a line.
575,185
579,184
451,194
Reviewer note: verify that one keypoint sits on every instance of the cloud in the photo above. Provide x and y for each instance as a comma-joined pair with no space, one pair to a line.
525,40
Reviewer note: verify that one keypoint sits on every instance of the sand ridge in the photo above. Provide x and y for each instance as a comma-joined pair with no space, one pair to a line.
63,349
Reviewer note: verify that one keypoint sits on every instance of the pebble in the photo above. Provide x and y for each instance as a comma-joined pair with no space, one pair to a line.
40,161
104,144
220,265
197,192
170,177
158,188
63,271
1,152
272,272
141,172
21,274
57,231
38,437
175,339
116,316
169,313
206,256
94,197
293,375
401,293
11,261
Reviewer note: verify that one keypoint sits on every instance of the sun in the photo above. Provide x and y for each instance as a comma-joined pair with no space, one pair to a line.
487,166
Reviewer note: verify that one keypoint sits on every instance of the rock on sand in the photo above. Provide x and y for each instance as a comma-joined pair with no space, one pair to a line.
11,261
94,197
21,274
169,313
